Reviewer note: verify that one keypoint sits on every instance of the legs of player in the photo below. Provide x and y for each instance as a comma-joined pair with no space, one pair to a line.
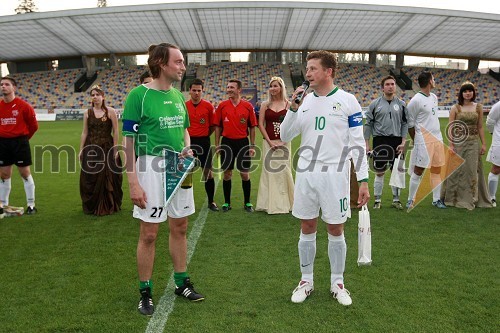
247,187
145,260
29,188
5,184
226,186
178,252
493,183
337,251
436,187
210,188
378,186
415,179
307,254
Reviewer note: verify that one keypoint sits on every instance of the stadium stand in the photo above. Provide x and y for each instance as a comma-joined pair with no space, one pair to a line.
47,90
55,89
361,80
116,83
251,74
448,83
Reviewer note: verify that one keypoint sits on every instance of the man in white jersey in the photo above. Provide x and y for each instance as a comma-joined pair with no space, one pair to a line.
330,124
493,124
425,131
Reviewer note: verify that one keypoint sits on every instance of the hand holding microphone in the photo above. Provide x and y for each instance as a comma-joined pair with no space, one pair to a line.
299,93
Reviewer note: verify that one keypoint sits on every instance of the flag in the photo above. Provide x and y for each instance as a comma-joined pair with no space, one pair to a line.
176,170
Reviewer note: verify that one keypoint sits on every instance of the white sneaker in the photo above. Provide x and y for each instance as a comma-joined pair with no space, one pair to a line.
303,290
341,294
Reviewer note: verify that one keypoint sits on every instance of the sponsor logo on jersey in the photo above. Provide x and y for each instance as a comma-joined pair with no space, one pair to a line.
171,122
9,121
167,102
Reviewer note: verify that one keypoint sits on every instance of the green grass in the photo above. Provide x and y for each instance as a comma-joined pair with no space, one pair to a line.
63,271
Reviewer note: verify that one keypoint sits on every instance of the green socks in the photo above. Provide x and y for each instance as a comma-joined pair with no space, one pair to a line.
179,278
146,284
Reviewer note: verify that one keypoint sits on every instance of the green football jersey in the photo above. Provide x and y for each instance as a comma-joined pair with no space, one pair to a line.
156,119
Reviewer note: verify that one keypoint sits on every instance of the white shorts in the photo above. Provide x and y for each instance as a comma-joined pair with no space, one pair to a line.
151,181
324,187
428,155
494,155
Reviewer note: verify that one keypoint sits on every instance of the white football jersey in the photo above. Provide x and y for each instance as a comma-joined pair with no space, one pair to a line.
493,123
331,129
422,114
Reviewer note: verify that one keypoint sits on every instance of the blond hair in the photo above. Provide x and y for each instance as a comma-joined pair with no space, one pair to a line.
282,85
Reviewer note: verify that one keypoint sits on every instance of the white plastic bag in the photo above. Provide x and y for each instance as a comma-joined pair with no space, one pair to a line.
398,173
364,238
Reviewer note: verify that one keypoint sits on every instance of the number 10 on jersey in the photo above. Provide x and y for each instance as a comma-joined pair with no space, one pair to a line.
319,123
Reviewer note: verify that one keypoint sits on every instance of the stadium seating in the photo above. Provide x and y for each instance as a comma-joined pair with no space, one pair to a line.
47,90
55,89
251,74
448,82
116,83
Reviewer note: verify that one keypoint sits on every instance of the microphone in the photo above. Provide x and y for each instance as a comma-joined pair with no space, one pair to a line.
305,85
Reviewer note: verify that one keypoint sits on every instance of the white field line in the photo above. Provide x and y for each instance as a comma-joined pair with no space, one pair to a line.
166,304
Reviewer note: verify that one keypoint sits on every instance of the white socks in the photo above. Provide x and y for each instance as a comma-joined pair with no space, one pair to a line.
337,250
307,253
414,182
436,186
29,188
5,187
492,185
378,185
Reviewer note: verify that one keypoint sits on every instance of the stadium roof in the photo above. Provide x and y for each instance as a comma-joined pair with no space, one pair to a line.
252,26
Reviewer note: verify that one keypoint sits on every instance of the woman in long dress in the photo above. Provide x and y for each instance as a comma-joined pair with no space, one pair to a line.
275,194
466,186
101,174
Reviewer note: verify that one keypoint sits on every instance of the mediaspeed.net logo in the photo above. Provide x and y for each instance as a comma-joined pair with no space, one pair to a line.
457,133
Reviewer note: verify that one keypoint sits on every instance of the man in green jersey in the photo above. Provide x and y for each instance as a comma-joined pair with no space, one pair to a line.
155,118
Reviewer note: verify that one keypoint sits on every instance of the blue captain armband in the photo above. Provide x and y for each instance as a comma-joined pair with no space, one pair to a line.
130,126
355,119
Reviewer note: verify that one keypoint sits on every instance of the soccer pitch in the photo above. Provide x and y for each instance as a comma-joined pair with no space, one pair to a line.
62,271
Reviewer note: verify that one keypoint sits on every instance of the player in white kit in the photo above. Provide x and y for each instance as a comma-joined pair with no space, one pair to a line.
329,121
425,131
493,124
